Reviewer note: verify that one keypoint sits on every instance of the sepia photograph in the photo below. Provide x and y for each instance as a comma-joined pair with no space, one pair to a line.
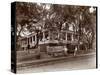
55,37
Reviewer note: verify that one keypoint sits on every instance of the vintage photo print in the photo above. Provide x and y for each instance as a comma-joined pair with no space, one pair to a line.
55,37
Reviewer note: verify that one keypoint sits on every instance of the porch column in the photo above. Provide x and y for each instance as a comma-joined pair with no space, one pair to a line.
32,39
35,39
49,35
43,36
27,40
58,35
72,37
66,35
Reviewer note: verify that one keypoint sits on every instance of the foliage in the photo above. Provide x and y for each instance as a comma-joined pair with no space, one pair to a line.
53,16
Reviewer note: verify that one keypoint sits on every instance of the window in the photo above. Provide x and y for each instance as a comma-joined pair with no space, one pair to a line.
30,39
46,35
63,35
70,27
41,36
65,26
33,38
69,36
55,35
75,36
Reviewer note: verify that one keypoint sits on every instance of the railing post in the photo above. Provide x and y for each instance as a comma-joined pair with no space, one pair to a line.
66,35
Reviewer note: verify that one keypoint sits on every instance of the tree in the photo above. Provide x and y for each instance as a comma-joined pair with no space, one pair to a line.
52,17
87,27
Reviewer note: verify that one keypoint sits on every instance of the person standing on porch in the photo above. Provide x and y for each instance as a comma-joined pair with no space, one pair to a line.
75,51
